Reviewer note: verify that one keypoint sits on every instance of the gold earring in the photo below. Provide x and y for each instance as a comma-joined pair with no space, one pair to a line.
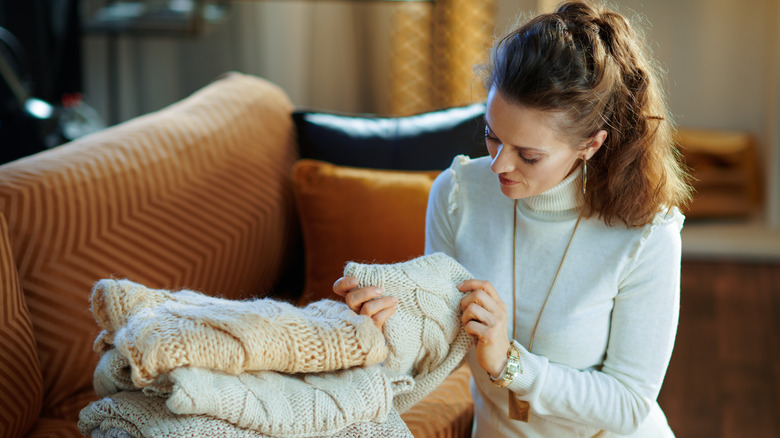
584,174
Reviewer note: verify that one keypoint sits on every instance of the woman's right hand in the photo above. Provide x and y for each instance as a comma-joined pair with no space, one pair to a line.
366,300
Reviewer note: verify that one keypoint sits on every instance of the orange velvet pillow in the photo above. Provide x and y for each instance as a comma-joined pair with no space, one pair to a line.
357,214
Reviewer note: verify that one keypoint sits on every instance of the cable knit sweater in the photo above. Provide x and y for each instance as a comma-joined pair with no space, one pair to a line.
131,414
268,368
605,339
424,336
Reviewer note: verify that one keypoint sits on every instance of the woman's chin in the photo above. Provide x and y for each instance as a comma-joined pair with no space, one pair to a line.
517,191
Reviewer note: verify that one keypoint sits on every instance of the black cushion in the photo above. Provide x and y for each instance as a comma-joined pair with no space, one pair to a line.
427,141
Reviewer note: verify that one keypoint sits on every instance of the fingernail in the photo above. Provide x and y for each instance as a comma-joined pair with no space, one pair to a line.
395,299
352,281
378,291
459,285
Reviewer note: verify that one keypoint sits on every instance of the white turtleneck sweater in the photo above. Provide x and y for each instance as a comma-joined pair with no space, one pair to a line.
606,335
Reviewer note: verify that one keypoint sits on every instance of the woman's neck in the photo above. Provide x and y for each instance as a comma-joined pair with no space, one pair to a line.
564,197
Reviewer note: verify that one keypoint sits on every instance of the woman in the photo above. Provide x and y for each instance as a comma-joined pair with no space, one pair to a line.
572,230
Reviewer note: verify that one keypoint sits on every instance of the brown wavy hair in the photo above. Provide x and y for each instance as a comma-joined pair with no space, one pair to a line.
590,64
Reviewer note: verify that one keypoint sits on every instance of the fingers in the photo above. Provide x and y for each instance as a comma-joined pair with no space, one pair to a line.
483,312
480,333
344,285
379,309
374,306
477,320
473,285
366,300
476,312
483,294
478,298
380,317
356,298
484,318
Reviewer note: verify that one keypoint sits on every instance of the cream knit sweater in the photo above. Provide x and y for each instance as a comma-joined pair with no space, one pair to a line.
425,337
131,414
181,347
265,403
159,331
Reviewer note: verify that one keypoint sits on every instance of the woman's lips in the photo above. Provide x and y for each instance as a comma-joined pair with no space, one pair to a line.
507,182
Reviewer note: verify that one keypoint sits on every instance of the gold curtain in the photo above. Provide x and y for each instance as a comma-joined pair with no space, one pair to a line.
436,47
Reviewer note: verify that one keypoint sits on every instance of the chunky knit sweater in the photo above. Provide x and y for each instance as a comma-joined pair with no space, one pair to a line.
605,339
158,331
131,414
260,403
269,368
424,336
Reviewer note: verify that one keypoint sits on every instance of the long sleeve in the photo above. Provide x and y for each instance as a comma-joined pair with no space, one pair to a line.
643,325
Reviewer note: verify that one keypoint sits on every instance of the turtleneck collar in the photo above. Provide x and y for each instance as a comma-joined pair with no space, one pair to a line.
560,200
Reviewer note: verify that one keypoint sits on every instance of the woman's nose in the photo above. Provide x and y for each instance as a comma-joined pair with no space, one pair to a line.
501,163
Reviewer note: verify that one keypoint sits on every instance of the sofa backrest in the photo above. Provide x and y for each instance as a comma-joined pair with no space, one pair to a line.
196,195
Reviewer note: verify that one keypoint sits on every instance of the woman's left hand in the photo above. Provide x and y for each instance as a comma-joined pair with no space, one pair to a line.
484,318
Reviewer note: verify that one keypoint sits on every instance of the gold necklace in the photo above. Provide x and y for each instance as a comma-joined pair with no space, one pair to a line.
519,409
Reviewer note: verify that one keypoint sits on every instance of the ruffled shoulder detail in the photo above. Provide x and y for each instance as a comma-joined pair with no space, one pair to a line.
668,221
452,199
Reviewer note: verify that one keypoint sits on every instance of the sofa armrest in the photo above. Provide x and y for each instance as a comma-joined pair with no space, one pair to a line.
21,389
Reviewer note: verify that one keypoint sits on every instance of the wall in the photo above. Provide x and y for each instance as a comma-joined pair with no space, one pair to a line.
330,54
773,125
722,59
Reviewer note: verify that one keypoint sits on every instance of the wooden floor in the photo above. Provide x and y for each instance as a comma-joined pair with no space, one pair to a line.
724,377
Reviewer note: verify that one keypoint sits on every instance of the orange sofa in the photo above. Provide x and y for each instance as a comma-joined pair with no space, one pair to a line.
198,195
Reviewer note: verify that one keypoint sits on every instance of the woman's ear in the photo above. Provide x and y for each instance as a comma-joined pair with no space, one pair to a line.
595,143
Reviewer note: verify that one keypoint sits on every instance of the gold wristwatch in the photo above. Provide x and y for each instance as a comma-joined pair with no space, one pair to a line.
512,367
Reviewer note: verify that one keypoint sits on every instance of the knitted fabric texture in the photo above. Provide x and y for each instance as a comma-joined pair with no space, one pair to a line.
158,331
276,404
178,347
288,405
114,301
425,337
131,413
110,433
112,374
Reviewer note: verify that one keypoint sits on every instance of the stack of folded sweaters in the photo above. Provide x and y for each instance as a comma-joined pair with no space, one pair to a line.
177,364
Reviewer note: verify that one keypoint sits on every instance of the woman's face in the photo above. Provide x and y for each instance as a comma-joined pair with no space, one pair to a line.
530,155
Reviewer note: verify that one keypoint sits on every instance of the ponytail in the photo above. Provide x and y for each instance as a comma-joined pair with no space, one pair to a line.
590,65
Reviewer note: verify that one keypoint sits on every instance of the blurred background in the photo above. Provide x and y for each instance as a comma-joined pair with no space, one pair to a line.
71,67
100,62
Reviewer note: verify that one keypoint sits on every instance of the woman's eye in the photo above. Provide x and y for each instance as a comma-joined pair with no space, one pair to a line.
527,160
489,135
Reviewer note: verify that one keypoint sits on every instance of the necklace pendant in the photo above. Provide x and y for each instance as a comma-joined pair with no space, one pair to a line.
518,409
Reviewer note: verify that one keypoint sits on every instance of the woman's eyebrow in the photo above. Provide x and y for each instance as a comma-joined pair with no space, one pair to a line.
524,148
